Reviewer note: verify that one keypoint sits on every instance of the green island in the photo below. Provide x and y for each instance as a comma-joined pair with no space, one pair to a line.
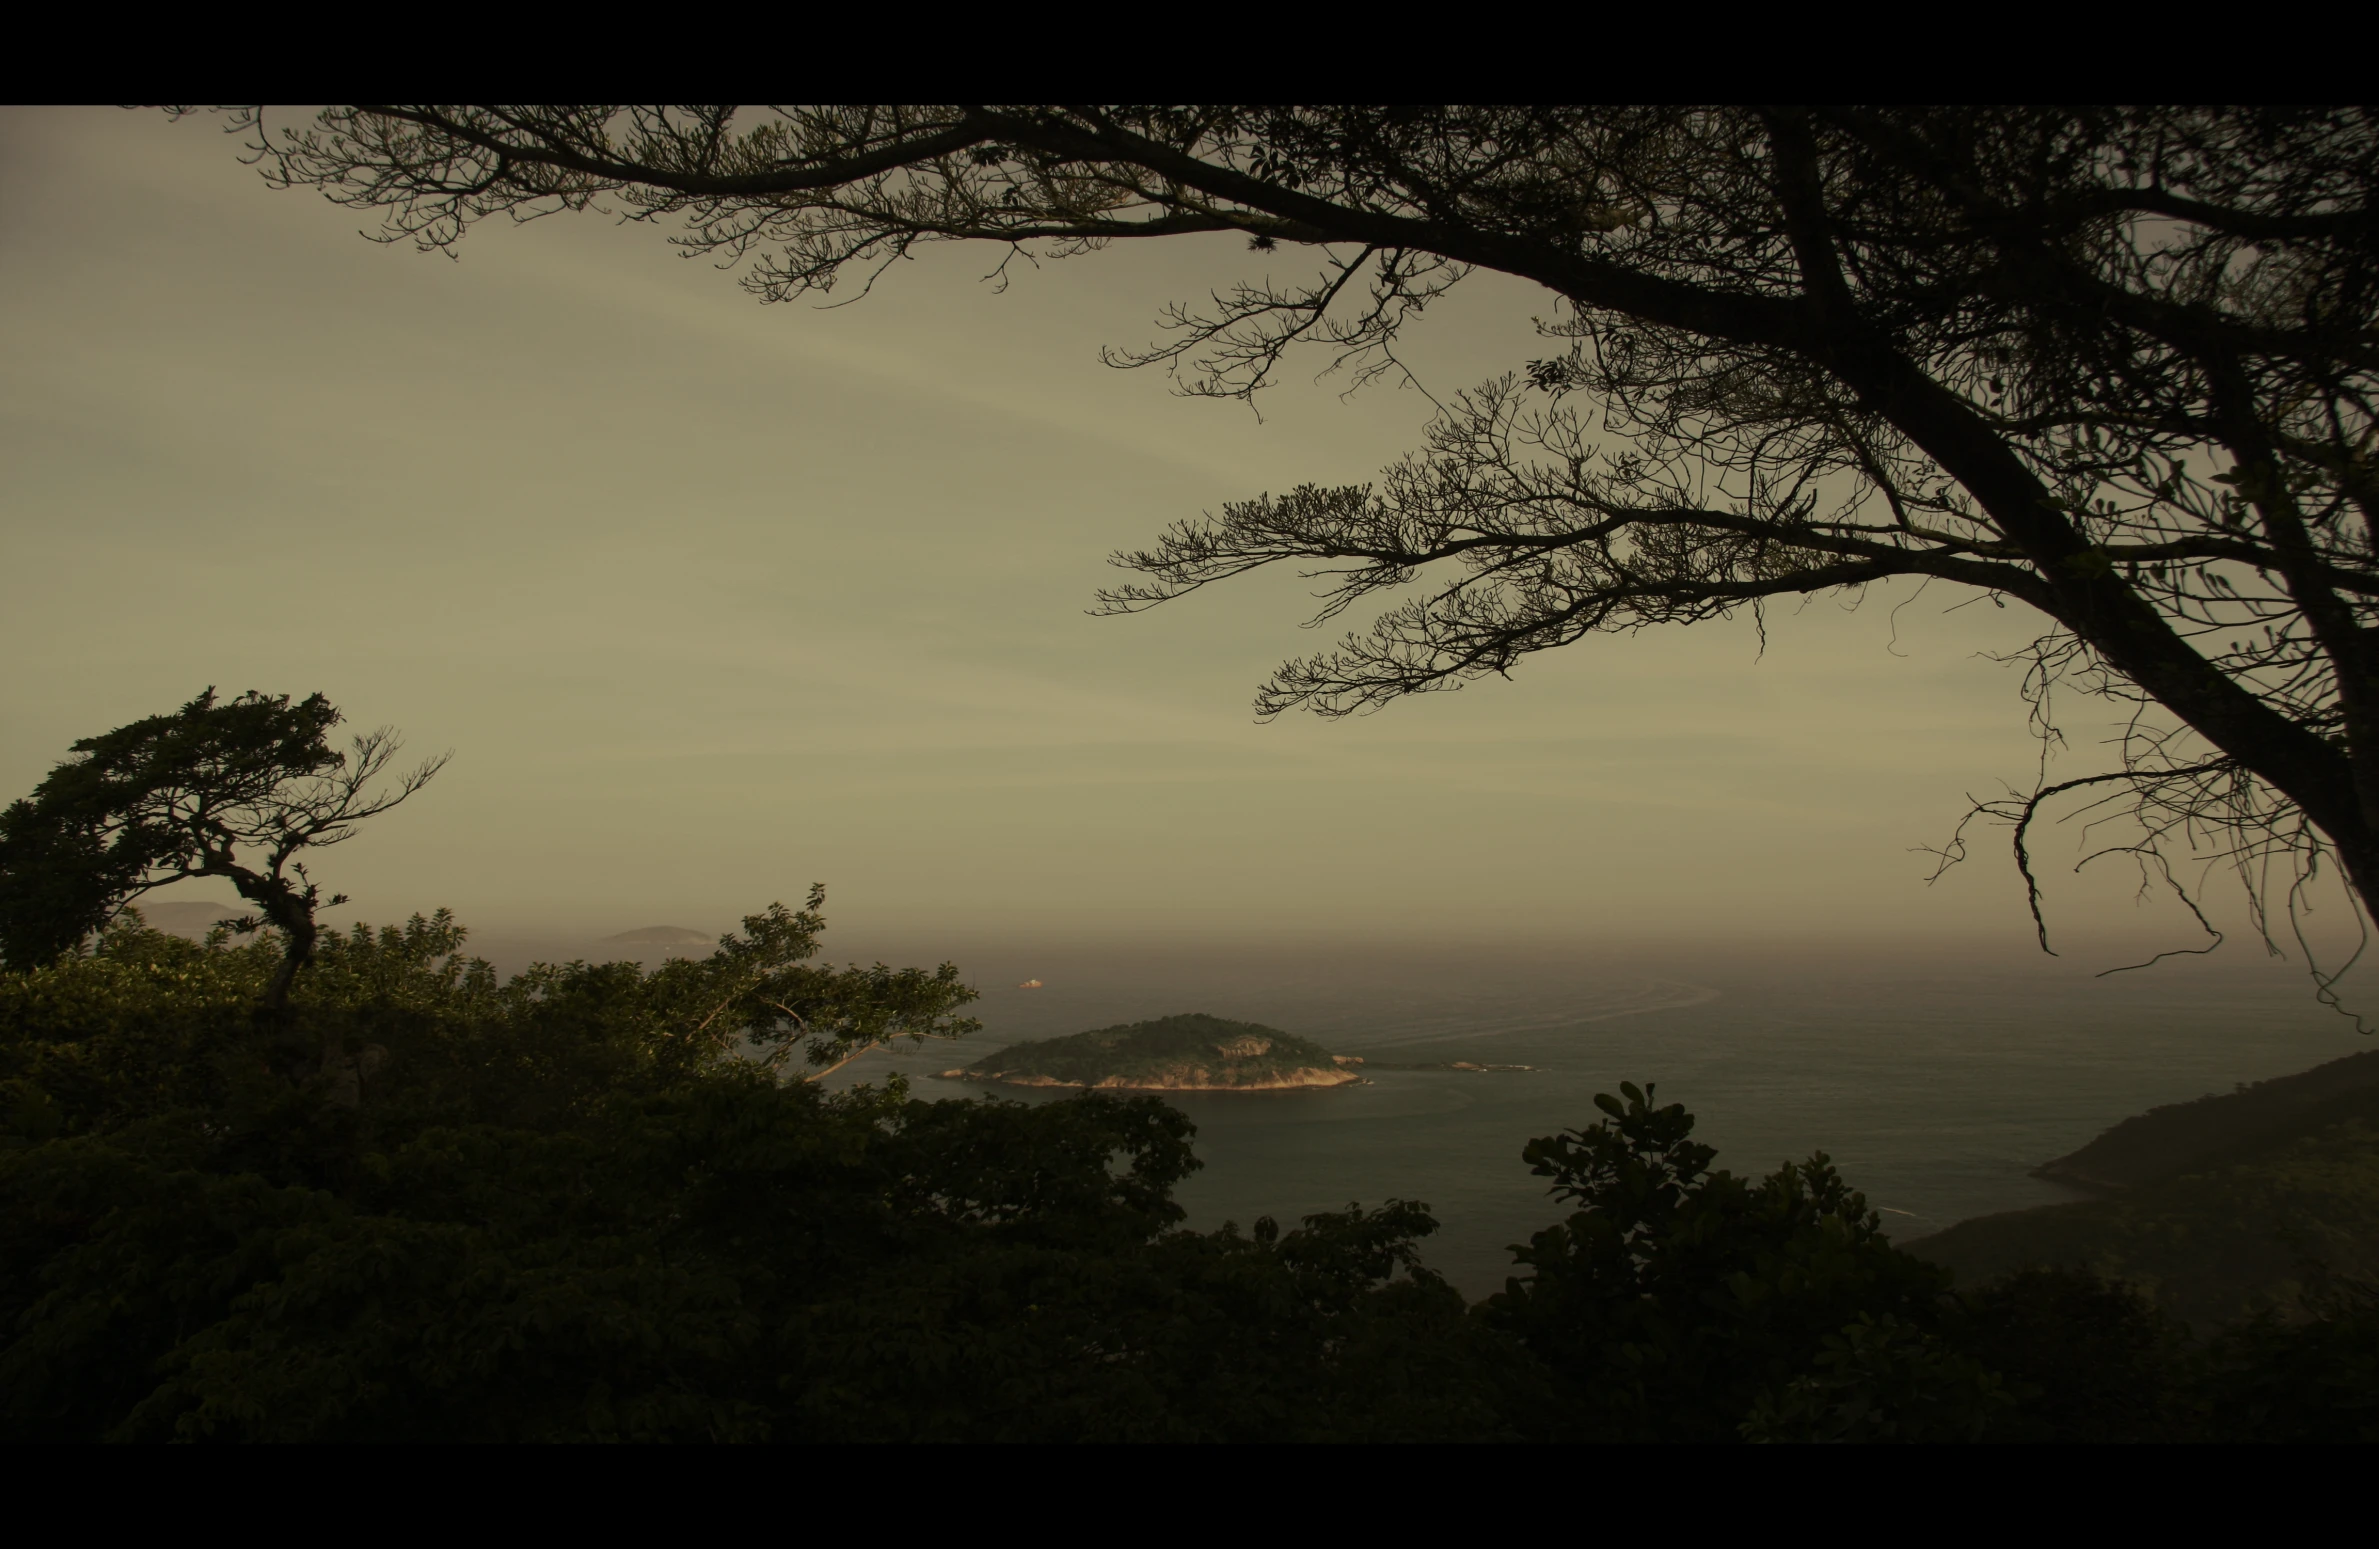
1192,1052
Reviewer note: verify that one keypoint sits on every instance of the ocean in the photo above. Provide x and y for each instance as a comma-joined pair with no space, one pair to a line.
1935,1084
1936,1077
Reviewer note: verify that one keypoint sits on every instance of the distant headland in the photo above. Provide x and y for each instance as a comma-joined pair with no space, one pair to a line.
1189,1053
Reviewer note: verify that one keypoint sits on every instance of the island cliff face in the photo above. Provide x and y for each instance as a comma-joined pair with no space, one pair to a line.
1189,1053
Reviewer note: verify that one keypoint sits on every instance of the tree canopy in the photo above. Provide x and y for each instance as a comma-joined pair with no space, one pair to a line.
2113,364
237,789
567,1206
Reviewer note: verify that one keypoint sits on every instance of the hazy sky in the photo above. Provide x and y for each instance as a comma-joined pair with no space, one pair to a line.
712,599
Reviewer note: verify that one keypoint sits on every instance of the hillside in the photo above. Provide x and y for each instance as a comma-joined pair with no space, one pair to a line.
2210,1207
2162,1141
1188,1053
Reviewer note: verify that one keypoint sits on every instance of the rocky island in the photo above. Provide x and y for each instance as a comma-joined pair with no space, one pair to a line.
1189,1053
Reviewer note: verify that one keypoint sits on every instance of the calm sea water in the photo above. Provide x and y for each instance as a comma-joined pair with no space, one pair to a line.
1936,1083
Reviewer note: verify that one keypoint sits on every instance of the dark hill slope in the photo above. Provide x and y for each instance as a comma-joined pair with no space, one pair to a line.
2212,1207
2164,1141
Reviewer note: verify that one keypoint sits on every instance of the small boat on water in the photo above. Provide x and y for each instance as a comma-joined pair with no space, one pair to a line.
1030,984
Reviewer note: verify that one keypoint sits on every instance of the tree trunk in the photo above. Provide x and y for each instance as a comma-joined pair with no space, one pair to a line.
339,1075
298,935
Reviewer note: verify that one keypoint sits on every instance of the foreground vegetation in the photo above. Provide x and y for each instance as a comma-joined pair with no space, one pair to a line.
572,1206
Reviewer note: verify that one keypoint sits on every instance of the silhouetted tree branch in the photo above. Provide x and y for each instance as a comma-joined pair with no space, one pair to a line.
2114,364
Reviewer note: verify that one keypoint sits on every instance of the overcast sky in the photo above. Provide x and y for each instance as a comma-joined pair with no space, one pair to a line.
712,599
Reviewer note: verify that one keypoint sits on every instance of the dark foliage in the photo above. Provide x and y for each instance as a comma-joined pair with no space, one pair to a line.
1676,1298
592,1202
2090,1360
576,1205
2312,1379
